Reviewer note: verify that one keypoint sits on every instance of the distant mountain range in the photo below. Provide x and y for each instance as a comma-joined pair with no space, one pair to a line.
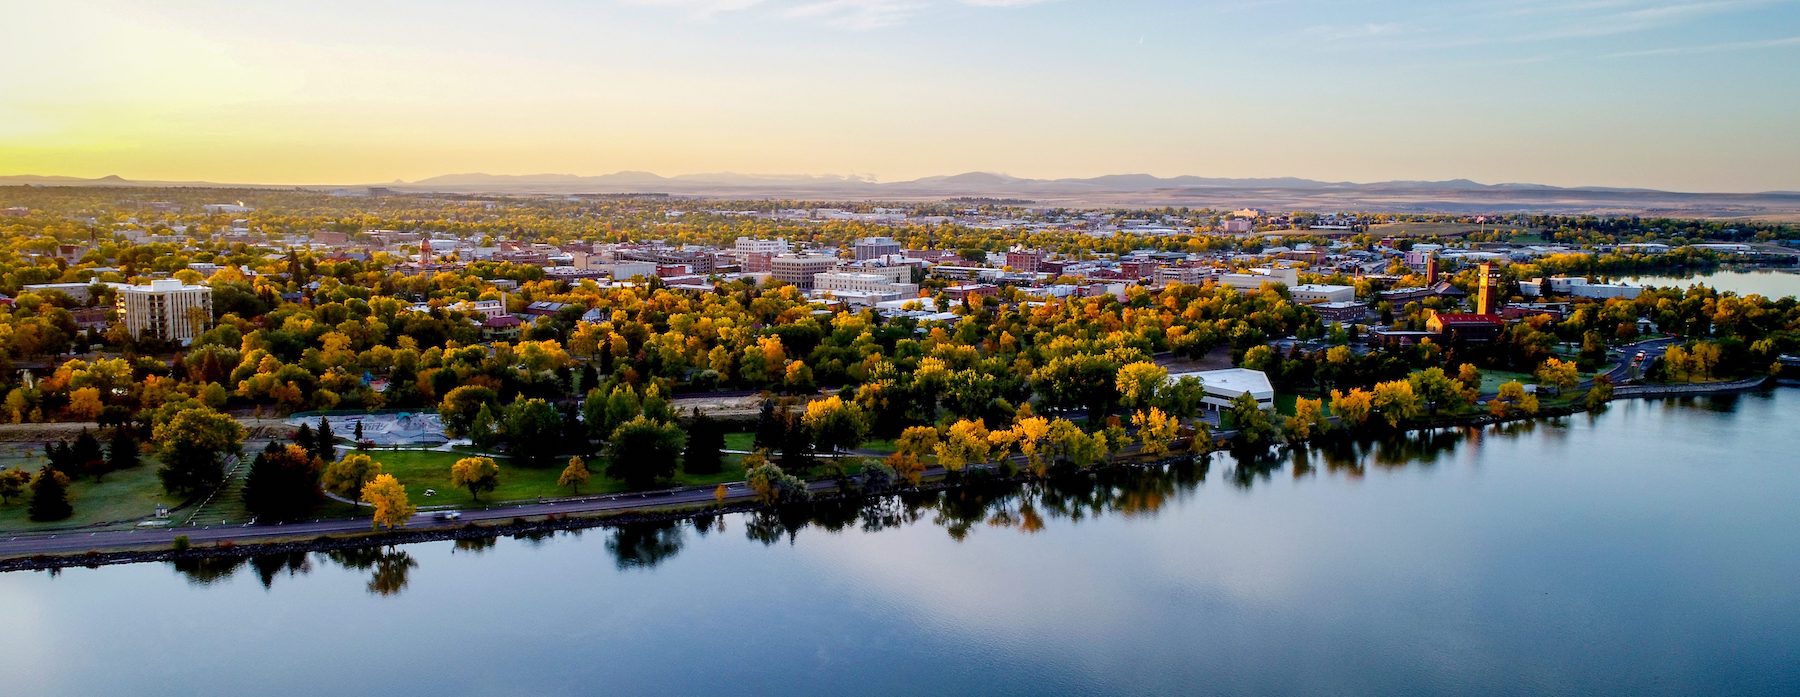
1278,193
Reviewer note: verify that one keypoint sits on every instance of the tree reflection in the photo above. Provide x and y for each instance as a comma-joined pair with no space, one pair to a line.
981,500
205,571
476,545
391,570
644,545
388,567
268,566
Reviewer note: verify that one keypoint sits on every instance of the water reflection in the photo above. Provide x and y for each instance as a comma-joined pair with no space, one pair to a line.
980,501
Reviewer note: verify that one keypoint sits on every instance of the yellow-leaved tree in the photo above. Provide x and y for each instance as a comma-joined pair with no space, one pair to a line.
388,496
573,476
477,474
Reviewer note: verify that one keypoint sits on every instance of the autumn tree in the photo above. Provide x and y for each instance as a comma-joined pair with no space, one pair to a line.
1397,403
910,449
1559,375
347,476
1308,420
388,496
477,474
1435,389
771,485
964,443
85,404
12,483
1353,407
1140,383
1155,430
836,424
574,475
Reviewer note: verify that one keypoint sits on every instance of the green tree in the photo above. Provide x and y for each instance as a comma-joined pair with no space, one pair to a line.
705,453
644,451
194,444
1254,427
86,456
459,406
122,450
532,430
477,474
283,483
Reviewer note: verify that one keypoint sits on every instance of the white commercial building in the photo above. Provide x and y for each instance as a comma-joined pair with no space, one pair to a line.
1577,286
166,309
746,245
875,247
1309,293
1248,282
862,282
1224,387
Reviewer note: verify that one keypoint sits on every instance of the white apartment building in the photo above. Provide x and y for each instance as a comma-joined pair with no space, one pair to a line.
799,269
167,309
862,282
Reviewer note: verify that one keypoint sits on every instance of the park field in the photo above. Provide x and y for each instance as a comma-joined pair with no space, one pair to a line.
122,496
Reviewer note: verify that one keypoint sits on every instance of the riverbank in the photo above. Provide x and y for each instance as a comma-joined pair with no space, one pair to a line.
72,548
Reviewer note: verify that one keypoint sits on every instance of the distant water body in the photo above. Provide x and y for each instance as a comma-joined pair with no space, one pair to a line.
1769,283
1649,550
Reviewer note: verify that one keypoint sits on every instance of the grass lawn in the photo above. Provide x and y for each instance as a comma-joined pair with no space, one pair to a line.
1492,379
123,495
420,470
744,440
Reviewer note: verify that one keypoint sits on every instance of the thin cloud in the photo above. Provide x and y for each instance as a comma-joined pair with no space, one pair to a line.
848,14
1710,48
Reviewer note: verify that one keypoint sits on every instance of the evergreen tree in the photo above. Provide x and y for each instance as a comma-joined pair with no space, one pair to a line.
705,452
304,438
283,483
50,495
769,427
325,447
359,434
122,450
86,456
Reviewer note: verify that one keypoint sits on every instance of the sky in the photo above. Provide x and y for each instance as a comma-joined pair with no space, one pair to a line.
1691,95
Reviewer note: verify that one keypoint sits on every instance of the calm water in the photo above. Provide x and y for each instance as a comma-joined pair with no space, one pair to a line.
1769,283
1654,549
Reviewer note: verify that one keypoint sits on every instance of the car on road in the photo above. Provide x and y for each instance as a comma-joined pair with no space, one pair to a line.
449,515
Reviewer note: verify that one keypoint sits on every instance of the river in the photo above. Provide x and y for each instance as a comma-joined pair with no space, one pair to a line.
1767,282
1650,550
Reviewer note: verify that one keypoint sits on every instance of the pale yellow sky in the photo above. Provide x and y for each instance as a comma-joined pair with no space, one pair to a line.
343,92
